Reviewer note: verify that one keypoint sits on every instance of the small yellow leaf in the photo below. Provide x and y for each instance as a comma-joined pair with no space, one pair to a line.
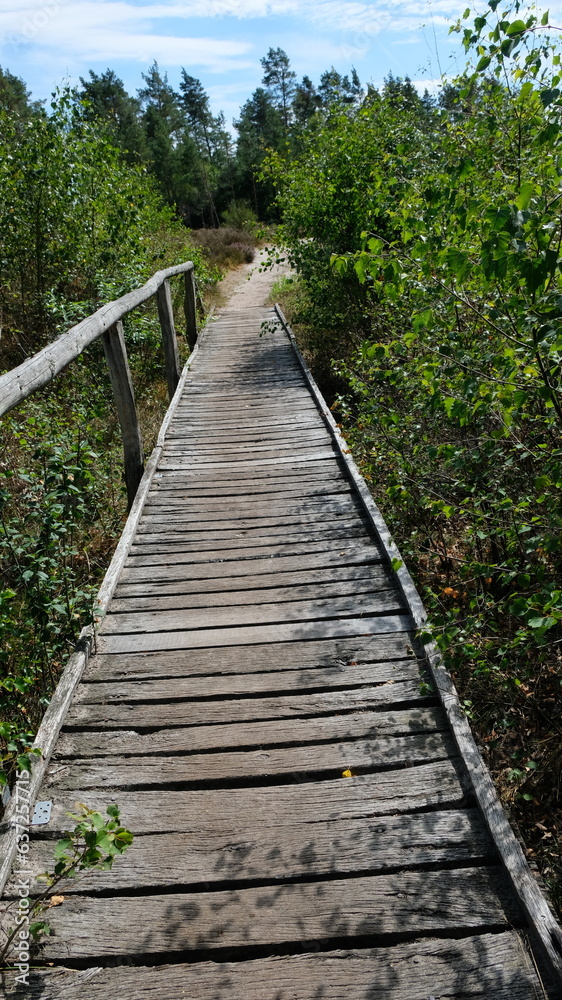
347,774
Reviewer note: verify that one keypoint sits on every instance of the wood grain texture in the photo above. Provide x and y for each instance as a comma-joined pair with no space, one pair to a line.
269,562
307,762
124,396
327,582
410,789
251,612
217,539
479,967
262,657
250,634
145,715
354,547
379,906
249,735
169,339
335,846
250,682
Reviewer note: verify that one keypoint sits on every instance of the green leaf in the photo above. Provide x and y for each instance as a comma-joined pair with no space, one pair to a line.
458,262
549,96
422,320
397,564
483,63
525,194
516,28
62,847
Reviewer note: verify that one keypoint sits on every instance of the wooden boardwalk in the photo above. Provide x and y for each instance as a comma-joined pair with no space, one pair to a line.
258,648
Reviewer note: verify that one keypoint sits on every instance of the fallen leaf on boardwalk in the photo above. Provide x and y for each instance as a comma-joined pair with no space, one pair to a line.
347,774
57,900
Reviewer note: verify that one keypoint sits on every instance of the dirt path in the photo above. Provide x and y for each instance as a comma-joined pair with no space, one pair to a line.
247,286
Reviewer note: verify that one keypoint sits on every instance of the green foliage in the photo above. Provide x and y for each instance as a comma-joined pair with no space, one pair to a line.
428,239
92,844
78,227
240,215
53,509
75,222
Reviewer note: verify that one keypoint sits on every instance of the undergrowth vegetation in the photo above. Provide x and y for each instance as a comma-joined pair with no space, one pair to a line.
78,227
432,237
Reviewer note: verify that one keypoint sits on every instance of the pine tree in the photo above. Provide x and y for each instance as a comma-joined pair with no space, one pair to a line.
280,81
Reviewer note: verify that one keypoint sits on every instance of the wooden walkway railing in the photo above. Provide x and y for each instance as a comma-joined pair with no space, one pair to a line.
107,323
311,820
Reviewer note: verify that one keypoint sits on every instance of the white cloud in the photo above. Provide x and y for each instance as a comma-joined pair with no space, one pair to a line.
80,30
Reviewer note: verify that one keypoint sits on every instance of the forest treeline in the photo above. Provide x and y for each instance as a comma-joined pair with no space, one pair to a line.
425,237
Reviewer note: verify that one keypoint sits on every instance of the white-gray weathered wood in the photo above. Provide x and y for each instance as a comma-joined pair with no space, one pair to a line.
480,967
169,339
17,384
190,309
120,375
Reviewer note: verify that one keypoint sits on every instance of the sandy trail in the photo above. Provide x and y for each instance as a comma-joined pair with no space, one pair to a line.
247,287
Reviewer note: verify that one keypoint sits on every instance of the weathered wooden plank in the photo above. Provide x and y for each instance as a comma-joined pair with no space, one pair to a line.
334,676
274,546
204,567
380,905
154,714
155,601
303,456
218,437
249,634
157,534
208,405
235,428
380,602
249,506
196,443
258,521
426,786
319,475
358,756
274,732
260,658
354,845
241,452
224,590
314,492
190,309
479,967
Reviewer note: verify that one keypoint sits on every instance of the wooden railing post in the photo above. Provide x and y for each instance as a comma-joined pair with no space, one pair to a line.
169,339
190,309
120,375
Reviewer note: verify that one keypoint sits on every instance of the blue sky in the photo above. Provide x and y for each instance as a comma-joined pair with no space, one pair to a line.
221,41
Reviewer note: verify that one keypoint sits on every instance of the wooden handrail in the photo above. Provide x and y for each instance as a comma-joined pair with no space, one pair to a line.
19,383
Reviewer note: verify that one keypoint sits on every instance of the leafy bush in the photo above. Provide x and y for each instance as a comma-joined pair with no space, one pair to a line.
443,229
78,226
240,215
